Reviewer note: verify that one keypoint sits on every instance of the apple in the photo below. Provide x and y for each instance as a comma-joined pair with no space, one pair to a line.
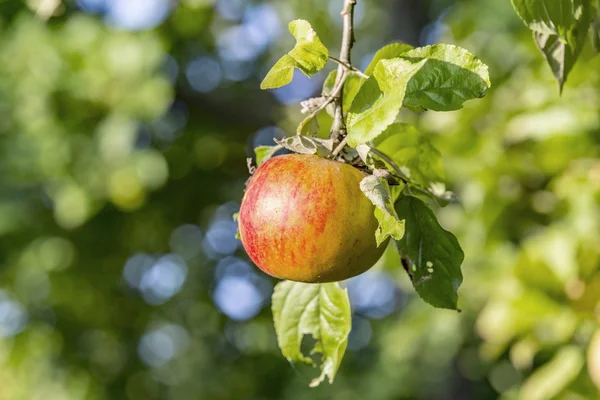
304,218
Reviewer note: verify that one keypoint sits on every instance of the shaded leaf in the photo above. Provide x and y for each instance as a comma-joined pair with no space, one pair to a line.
379,99
433,254
309,55
309,126
559,29
450,76
321,310
378,191
351,86
307,145
410,150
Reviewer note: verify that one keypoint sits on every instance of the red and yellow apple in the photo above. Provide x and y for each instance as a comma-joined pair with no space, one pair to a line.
304,218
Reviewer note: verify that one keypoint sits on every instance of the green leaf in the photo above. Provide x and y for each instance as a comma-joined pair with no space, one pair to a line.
263,153
559,29
379,99
410,150
385,53
433,254
351,86
389,226
378,191
321,310
451,75
307,145
309,55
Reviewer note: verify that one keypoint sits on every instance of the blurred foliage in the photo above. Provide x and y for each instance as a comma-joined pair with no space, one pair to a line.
122,158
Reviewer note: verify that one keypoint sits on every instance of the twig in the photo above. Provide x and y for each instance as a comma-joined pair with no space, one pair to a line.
349,67
339,147
337,89
338,128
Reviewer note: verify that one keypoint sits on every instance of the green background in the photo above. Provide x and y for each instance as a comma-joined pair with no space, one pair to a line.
123,144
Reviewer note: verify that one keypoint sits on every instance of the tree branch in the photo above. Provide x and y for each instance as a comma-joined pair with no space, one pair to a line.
338,128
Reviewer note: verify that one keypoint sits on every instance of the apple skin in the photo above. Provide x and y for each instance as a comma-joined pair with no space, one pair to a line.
304,218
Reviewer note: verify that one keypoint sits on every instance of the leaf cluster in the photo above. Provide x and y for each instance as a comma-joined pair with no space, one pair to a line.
405,178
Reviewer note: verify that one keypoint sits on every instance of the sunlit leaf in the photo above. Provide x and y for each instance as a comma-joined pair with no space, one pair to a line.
392,50
309,55
432,254
263,153
379,99
378,191
321,310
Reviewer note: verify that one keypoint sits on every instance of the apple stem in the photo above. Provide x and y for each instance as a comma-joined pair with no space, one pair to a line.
338,128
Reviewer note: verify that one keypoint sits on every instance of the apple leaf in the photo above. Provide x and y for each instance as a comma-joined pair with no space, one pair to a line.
392,50
432,254
412,152
307,145
450,76
378,191
379,99
263,153
363,152
351,86
559,30
309,55
321,310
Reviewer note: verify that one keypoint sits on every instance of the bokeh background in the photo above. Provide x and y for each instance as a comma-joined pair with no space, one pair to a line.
124,131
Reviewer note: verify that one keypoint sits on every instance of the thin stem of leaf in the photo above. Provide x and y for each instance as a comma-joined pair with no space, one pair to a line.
391,163
349,67
401,175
